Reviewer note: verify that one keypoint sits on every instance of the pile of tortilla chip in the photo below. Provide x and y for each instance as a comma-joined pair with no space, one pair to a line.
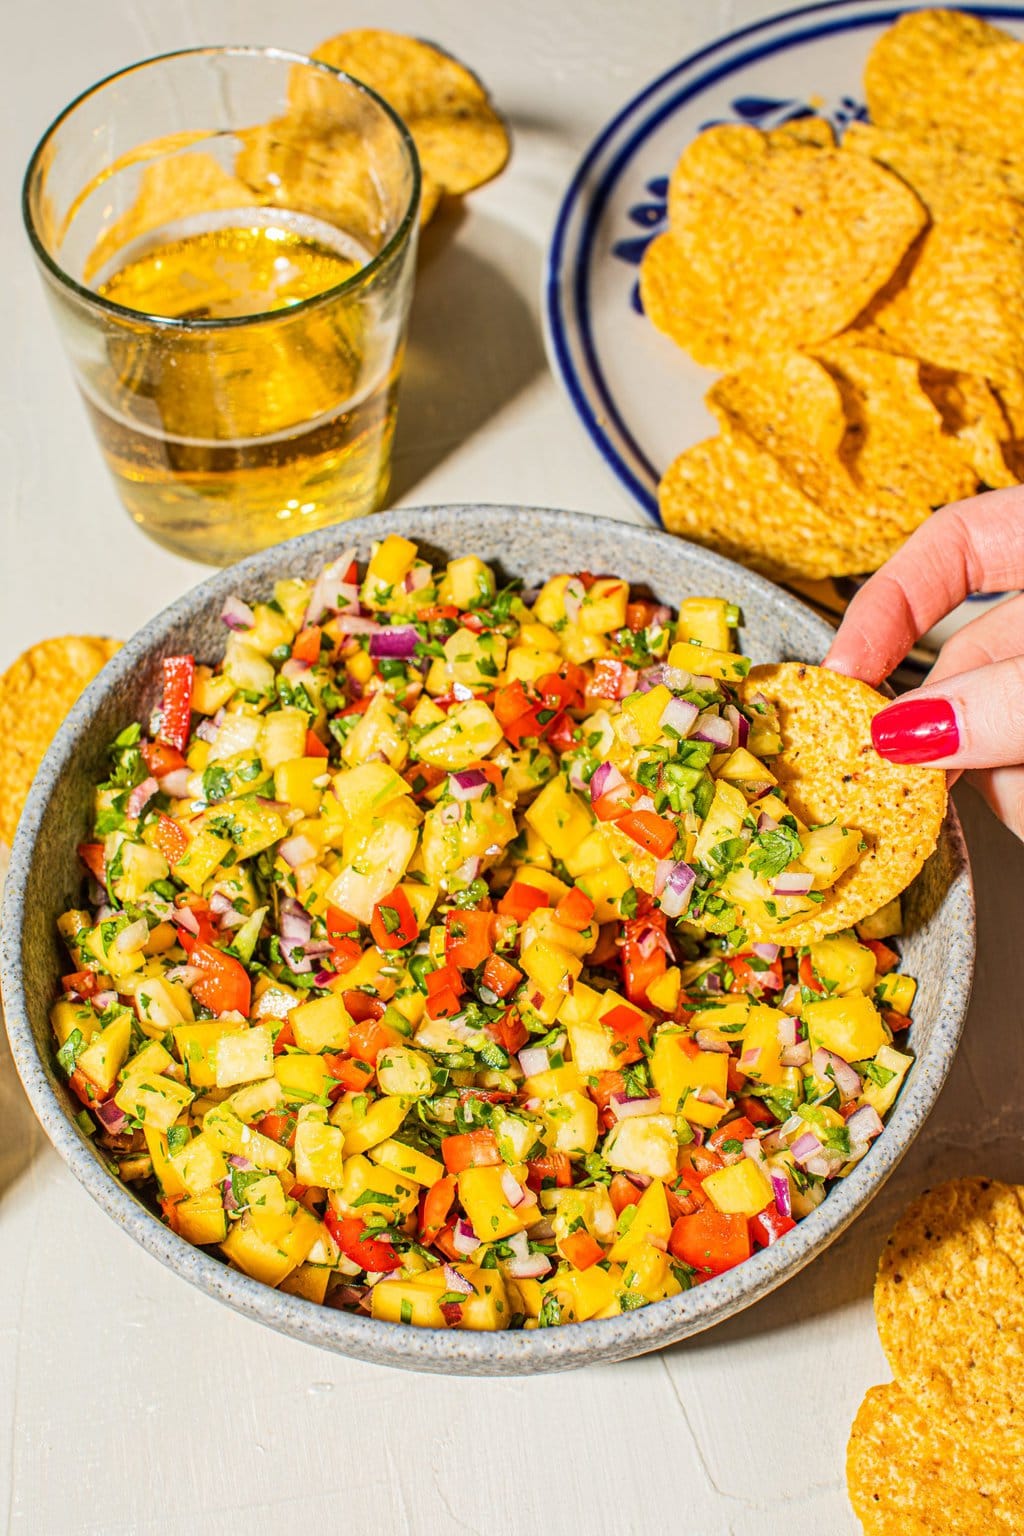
36,693
866,300
941,1449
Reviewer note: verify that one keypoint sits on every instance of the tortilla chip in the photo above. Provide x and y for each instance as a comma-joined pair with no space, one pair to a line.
972,412
36,693
831,772
816,131
307,164
946,178
949,1302
461,140
906,1478
732,496
962,306
941,74
775,243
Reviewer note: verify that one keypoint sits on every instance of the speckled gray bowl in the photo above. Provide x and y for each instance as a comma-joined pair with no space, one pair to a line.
44,879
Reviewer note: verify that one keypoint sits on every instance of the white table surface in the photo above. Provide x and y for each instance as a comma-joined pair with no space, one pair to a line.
130,1403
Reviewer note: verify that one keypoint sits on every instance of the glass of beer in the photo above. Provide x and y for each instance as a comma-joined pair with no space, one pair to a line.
227,237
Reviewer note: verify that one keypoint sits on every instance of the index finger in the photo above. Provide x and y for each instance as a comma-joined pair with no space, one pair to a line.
969,546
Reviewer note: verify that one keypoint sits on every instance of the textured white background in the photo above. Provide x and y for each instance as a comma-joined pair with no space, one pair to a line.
130,1404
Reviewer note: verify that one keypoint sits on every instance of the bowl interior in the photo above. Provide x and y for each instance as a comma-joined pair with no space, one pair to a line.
531,544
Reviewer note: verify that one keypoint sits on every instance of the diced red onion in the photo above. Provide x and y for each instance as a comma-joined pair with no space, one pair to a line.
662,869
711,1040
645,803
650,939
105,999
783,1194
175,784
806,1146
675,898
766,823
797,1055
572,598
576,779
740,724
355,624
519,1244
110,1117
847,1080
188,975
534,1267
185,918
753,1149
606,779
467,784
709,1096
511,1188
766,952
534,1059
864,1125
140,796
464,1239
674,678
397,641
457,1282
328,595
789,1031
791,996
712,981
792,883
207,731
469,869
294,669
825,1165
237,614
418,578
296,925
679,715
712,728
296,851
623,1106
132,938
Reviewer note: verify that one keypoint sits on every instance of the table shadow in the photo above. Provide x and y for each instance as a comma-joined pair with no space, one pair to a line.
975,1126
474,345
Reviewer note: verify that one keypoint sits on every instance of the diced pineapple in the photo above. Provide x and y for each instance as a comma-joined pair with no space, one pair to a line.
406,1301
760,1058
200,1164
66,1017
741,1189
196,1047
487,1206
232,1135
724,819
309,1281
371,1190
167,1176
283,735
708,661
153,1100
107,1052
201,859
382,728
380,1122
663,992
296,783
743,768
405,1073
270,1262
468,732
897,992
467,581
210,693
828,852
549,966
157,1005
561,817
592,1044
851,1026
321,1025
151,1058
885,923
648,1218
705,620
366,790
604,606
570,1121
376,857
140,866
244,1056
528,663
303,1078
846,965
248,671
570,1207
407,1161
641,716
475,659
389,564
676,1072
644,1144
201,1219
319,1154
882,1097
583,1293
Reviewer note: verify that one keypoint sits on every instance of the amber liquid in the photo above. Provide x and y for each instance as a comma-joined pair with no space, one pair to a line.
225,440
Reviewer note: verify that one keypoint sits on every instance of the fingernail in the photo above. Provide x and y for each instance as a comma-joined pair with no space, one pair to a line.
916,731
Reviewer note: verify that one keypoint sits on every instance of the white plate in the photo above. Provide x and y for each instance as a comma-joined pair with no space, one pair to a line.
640,398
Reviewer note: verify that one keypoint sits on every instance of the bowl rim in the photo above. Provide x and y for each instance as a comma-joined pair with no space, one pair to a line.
396,1344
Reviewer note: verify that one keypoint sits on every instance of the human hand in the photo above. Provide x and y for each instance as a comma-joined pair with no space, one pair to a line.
970,712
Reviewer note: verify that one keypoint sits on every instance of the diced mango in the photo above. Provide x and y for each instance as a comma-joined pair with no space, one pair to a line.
201,1219
486,1204
319,1154
407,1161
846,965
368,1189
741,1189
676,1072
153,1100
708,661
649,1218
322,1025
851,1026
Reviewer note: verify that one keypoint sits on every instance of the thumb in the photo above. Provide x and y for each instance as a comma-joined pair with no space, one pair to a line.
970,720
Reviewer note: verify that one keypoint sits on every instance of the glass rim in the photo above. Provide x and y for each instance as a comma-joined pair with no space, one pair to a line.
229,322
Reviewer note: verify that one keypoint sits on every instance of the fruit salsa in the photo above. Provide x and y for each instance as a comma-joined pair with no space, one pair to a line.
411,973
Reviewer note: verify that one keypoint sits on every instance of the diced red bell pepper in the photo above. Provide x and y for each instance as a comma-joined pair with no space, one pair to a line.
509,1031
225,985
655,834
748,978
695,1163
886,959
517,713
601,1090
616,803
435,1205
176,709
738,1130
611,680
279,1126
710,1241
352,1072
306,645
361,1006
170,838
159,758
85,983
629,1027
640,970
472,1149
550,1168
468,938
575,910
639,614
805,971
444,988
769,1225
561,733
284,1038
622,1192
91,855
314,746
756,1110
581,1249
521,899
501,976
393,924
367,1039
358,1244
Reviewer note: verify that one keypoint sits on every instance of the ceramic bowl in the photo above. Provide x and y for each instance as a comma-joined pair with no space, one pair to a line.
44,879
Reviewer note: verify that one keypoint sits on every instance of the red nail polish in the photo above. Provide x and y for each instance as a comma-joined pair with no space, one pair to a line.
916,731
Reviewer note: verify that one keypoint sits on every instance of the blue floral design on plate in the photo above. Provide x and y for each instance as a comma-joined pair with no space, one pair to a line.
764,112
